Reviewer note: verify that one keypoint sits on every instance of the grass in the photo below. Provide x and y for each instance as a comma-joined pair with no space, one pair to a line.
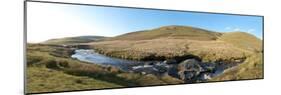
50,68
252,68
47,73
243,40
165,48
49,80
173,41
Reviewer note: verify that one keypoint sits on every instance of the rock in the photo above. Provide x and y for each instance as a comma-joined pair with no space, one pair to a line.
187,75
190,65
170,61
206,76
203,77
172,70
189,69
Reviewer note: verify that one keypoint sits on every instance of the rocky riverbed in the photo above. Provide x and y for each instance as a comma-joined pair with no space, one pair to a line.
189,70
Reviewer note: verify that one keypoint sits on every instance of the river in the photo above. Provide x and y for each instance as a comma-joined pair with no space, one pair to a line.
91,56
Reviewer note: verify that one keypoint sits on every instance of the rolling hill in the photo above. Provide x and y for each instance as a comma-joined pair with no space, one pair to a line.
74,40
177,32
243,40
173,41
49,72
170,42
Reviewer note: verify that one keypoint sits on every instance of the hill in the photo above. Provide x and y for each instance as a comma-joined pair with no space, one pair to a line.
177,32
243,40
174,41
164,43
73,40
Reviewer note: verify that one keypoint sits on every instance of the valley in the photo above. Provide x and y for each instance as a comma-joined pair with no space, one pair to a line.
165,55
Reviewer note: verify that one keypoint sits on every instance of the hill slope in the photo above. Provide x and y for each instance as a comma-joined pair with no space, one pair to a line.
243,40
173,41
177,32
73,40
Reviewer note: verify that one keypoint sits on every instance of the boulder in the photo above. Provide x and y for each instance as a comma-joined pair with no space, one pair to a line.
187,75
189,69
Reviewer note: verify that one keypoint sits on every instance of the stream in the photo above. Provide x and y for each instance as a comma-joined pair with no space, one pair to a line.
92,57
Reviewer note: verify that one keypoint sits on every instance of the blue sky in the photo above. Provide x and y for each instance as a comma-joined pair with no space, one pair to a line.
110,21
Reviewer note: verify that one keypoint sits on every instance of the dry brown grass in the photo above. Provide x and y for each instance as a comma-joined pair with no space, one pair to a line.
169,48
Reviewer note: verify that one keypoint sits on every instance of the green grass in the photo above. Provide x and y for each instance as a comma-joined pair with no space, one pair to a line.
48,80
47,73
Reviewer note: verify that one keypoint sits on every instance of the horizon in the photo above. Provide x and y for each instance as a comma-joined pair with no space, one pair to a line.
63,20
141,30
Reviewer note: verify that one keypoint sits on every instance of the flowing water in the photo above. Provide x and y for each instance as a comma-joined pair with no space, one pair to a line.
92,57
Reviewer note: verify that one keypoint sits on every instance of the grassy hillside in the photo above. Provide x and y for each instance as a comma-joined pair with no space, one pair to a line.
177,32
74,40
174,41
47,73
243,40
